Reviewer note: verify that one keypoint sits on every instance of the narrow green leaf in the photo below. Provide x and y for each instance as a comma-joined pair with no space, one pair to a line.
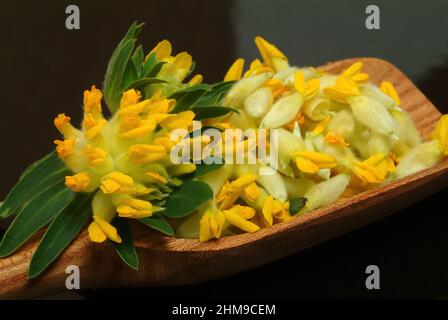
115,72
60,233
144,82
137,59
204,168
296,204
187,198
211,112
158,223
215,95
37,177
155,69
34,215
149,63
130,75
186,98
126,249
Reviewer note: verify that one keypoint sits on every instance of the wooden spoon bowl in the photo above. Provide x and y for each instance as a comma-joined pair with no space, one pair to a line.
171,261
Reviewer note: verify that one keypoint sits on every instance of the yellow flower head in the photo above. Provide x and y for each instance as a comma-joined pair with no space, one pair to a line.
312,161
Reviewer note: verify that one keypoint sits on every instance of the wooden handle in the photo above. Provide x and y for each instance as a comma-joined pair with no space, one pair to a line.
14,281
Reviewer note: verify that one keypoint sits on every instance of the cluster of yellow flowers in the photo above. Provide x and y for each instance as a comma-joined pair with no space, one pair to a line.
338,135
125,159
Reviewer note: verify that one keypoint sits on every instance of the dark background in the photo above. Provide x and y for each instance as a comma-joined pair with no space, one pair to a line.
45,68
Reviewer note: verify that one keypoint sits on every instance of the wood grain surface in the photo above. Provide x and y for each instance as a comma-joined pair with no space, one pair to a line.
170,261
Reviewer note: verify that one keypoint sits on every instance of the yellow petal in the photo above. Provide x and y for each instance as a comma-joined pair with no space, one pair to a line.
78,182
65,148
389,89
96,234
252,191
235,71
306,165
162,50
267,210
239,222
109,230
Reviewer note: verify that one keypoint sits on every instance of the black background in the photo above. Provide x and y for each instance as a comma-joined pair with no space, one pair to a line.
45,68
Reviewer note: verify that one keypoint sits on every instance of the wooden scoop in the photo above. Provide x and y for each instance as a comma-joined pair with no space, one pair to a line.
171,261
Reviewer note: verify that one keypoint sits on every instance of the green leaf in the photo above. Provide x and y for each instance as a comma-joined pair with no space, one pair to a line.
137,59
115,73
187,198
158,223
204,168
155,69
116,68
34,215
37,177
130,75
144,82
149,64
186,98
211,112
215,95
296,204
125,249
60,233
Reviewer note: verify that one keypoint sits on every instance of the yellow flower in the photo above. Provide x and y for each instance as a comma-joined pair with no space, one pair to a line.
100,230
145,153
182,120
129,207
238,216
309,88
389,89
230,192
117,182
78,182
273,208
95,155
197,79
312,161
252,191
235,71
374,169
162,50
65,148
354,73
256,67
440,133
343,89
211,225
333,138
347,83
272,56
